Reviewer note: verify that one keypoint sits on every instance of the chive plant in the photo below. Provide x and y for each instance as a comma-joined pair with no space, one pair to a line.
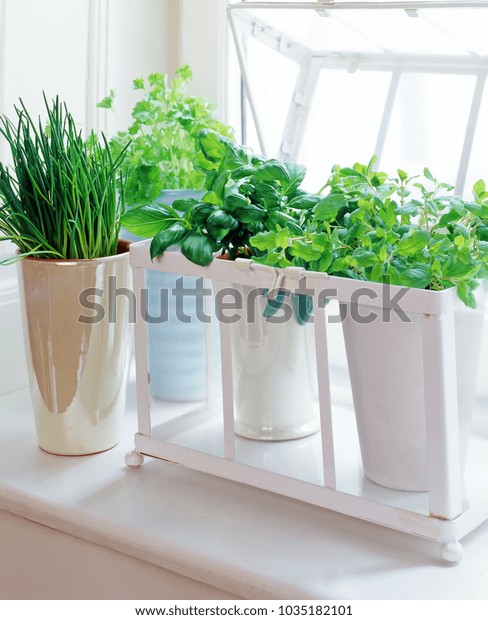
58,198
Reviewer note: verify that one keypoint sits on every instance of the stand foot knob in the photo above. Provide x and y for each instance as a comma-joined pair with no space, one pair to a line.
134,459
452,552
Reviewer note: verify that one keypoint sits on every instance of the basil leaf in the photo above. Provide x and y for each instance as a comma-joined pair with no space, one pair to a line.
236,157
272,170
185,204
198,249
220,223
250,213
303,201
200,213
296,174
166,238
233,202
212,145
147,220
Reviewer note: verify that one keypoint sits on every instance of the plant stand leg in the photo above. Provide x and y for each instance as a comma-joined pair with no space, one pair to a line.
134,459
452,551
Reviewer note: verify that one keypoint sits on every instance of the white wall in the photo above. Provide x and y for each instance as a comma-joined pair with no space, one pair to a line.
79,50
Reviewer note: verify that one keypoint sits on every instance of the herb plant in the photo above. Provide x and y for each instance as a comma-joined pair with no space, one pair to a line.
246,195
409,231
162,137
59,199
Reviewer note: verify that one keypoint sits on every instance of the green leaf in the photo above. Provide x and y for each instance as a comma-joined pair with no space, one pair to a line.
220,223
138,83
283,220
408,208
328,207
465,290
236,158
268,195
233,202
428,175
183,205
321,241
166,238
413,243
203,163
296,174
212,145
365,258
201,212
249,214
376,274
447,218
303,201
264,240
479,187
272,170
242,172
107,102
212,198
325,260
147,220
455,268
198,249
282,238
304,250
417,276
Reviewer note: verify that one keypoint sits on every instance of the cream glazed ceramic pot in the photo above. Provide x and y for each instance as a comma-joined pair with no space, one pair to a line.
77,340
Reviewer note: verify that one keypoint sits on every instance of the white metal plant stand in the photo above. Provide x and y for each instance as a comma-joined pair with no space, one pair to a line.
443,514
326,469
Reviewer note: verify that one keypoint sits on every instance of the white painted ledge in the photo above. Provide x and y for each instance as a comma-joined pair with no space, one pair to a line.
237,541
13,372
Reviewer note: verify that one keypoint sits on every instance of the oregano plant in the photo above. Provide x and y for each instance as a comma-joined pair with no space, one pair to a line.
406,230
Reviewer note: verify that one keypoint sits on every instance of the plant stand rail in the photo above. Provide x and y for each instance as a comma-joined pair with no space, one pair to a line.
328,470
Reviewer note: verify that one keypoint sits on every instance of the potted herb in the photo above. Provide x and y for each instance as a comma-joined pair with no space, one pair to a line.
59,205
247,195
158,167
410,232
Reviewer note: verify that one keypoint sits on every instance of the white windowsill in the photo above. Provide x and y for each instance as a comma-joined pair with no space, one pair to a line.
247,542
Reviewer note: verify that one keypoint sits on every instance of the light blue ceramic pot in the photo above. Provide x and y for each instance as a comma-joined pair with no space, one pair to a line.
176,351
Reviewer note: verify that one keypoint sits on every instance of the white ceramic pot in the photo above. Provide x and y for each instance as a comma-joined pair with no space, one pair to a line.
77,352
386,370
274,375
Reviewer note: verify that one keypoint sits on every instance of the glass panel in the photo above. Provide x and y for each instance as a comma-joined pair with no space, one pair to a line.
405,83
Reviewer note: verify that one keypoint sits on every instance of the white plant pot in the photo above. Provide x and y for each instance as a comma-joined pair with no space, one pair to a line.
274,376
386,369
77,353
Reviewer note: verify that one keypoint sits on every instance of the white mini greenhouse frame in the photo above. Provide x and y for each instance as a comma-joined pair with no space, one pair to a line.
449,510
